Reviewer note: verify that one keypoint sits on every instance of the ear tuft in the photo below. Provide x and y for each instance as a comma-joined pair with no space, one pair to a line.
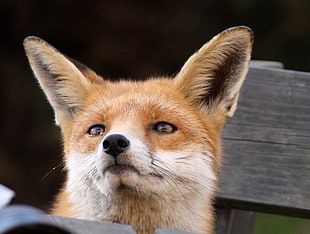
212,77
64,84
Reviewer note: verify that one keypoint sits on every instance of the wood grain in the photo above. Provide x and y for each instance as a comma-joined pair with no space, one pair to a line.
267,145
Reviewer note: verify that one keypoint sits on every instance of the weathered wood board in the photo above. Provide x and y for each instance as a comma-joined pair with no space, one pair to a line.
78,226
267,145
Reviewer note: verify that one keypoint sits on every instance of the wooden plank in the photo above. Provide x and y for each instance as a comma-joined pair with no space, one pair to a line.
267,145
78,226
266,63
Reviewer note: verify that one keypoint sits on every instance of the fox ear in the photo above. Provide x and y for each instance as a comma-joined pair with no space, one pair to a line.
212,77
64,81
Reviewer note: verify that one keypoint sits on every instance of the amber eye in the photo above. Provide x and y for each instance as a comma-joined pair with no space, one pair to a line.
164,127
96,130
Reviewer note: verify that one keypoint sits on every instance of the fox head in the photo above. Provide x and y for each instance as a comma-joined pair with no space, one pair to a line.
150,146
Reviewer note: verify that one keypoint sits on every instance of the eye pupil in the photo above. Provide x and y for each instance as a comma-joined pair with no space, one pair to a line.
96,130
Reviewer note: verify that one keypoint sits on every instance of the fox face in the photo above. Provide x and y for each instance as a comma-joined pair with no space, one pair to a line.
138,142
144,153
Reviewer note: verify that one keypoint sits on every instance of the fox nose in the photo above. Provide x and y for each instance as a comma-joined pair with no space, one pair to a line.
115,144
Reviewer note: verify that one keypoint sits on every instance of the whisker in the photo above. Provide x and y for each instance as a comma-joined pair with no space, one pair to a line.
168,176
52,170
176,179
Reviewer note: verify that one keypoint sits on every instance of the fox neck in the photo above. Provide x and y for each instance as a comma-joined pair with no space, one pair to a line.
144,214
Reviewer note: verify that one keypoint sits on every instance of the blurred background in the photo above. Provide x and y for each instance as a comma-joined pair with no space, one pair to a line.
128,39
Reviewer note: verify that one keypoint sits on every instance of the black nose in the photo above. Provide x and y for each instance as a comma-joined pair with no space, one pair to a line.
115,144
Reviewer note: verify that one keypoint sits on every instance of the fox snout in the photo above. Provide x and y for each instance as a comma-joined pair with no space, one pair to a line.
115,144
118,154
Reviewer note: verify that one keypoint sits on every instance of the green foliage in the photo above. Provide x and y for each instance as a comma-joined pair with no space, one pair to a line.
274,224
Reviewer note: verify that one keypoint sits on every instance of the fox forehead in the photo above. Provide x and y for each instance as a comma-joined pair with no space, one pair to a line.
126,97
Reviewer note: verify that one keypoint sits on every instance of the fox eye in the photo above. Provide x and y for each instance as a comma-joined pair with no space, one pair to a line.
164,127
96,130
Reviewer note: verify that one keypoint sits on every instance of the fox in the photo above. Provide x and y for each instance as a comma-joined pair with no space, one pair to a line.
144,153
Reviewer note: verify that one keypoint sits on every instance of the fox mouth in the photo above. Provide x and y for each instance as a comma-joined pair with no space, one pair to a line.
118,169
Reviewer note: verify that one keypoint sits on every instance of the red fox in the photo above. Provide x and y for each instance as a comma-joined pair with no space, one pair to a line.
144,153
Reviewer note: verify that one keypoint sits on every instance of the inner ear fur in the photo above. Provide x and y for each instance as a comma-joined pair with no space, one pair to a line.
64,81
212,77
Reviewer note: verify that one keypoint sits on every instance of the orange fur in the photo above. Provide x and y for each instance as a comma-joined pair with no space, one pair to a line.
159,179
62,206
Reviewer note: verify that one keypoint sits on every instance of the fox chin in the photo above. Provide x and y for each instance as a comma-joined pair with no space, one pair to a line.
144,153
